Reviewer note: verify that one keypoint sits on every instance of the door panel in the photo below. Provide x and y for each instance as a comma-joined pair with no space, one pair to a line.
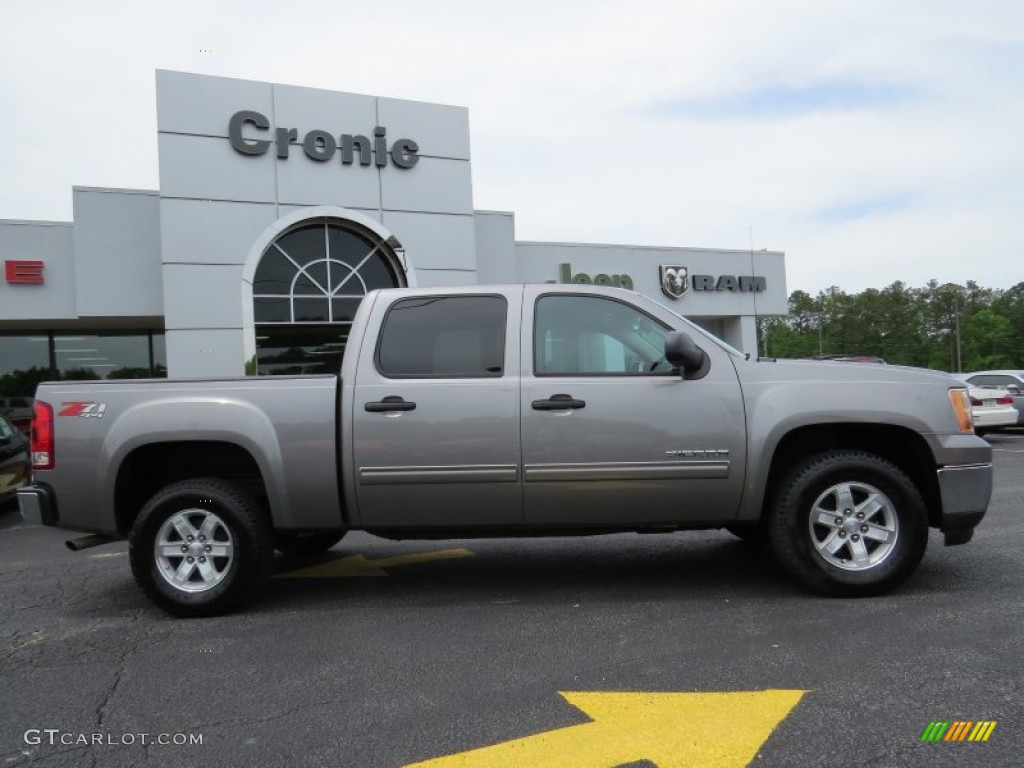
646,447
436,415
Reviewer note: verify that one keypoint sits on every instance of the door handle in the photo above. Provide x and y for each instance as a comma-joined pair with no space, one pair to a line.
390,403
558,403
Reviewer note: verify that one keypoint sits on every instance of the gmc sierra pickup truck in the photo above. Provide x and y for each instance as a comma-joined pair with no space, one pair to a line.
510,411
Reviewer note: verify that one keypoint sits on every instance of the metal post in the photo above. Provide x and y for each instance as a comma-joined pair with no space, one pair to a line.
956,319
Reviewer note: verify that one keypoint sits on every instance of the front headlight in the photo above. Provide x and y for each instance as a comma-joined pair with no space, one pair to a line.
961,403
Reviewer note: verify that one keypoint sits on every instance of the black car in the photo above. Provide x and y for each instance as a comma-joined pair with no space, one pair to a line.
14,461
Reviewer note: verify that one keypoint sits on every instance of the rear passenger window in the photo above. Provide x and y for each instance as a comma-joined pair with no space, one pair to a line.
443,337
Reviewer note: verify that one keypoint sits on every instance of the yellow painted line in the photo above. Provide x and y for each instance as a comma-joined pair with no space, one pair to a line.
25,641
671,730
356,566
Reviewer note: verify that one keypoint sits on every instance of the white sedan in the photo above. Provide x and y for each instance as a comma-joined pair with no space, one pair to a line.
991,408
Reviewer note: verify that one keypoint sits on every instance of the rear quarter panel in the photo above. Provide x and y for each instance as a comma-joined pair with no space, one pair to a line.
287,424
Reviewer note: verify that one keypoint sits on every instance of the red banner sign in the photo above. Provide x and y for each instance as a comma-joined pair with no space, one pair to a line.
23,271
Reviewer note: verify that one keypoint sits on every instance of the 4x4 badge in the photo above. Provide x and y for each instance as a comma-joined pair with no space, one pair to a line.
85,409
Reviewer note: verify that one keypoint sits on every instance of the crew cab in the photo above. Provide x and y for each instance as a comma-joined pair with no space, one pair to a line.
512,410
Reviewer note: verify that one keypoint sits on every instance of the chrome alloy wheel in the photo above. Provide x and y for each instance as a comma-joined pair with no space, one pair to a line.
193,550
853,526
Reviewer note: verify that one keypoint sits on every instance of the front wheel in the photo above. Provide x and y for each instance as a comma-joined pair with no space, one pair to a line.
848,523
201,547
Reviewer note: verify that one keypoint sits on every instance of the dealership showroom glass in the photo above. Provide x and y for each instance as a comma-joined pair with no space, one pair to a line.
279,208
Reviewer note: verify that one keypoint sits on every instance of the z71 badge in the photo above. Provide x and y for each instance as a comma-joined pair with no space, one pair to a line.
87,410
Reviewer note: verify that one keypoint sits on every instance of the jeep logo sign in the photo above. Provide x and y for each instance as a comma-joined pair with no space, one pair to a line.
566,275
321,145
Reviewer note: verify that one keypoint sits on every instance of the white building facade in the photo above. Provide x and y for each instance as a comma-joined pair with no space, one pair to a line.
279,207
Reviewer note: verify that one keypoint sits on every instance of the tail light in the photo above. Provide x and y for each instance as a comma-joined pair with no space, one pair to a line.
1005,400
976,401
42,436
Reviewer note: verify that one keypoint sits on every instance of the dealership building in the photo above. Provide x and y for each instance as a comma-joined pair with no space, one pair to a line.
279,207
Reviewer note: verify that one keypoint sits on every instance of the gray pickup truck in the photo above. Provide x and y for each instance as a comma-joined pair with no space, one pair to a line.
508,411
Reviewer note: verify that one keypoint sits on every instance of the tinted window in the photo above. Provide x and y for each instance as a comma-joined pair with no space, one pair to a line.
576,335
992,380
103,355
452,336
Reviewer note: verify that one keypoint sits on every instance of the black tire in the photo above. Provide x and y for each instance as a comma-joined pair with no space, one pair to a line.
302,543
900,517
237,525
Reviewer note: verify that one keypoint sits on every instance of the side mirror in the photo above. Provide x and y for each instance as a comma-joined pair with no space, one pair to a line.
681,352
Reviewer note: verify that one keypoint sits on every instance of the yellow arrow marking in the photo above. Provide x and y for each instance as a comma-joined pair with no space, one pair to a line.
671,730
359,565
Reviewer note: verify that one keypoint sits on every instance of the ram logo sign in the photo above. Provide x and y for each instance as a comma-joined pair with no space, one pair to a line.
674,280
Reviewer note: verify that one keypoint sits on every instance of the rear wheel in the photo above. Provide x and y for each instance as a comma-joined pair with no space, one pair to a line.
201,547
848,523
300,543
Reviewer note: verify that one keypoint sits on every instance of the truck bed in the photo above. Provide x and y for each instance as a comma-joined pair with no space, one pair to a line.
286,423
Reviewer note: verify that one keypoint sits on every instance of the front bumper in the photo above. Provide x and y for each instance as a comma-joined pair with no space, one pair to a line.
965,493
38,505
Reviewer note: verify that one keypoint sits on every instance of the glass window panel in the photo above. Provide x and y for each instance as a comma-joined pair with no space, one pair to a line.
304,245
113,355
24,362
592,335
452,336
375,274
318,272
287,349
306,287
347,246
311,310
159,354
272,310
274,274
344,309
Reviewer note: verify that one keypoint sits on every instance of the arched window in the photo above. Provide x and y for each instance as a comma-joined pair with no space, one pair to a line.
306,289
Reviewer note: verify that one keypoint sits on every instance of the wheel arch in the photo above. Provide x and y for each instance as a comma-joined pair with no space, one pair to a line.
148,468
903,447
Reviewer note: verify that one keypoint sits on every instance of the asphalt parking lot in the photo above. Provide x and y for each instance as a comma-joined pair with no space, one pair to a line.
680,649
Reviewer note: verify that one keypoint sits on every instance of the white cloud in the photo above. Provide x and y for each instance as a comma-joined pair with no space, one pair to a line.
871,141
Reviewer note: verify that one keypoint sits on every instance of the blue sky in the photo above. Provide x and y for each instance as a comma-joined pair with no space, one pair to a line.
871,141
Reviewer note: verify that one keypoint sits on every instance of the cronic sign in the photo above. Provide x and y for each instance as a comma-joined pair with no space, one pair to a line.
247,128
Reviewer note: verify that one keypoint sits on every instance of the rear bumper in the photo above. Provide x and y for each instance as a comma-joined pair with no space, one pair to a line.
38,505
965,491
995,417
